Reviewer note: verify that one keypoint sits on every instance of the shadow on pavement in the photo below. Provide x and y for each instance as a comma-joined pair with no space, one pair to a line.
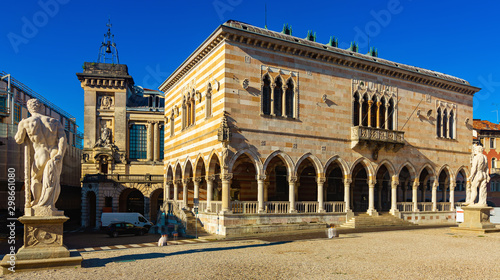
89,263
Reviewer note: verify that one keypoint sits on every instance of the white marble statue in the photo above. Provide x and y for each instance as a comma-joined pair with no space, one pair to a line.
479,177
48,140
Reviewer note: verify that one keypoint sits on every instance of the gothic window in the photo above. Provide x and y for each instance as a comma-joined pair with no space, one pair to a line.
438,123
208,102
381,113
277,97
289,100
373,112
184,119
364,111
451,125
188,112
355,110
390,115
445,124
193,110
138,141
266,96
492,143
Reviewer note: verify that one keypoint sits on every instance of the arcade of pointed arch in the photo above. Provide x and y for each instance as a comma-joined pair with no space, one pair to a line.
320,168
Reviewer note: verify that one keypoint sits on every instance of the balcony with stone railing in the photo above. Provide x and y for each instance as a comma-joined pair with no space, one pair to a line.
376,138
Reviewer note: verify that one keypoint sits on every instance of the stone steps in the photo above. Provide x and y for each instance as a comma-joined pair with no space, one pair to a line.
366,221
193,225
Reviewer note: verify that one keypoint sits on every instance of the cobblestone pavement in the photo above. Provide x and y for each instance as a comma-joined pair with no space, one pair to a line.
415,254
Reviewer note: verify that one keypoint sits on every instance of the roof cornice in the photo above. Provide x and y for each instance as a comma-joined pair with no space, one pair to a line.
241,33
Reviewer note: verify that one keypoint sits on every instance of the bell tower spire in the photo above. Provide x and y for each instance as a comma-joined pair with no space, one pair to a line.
108,53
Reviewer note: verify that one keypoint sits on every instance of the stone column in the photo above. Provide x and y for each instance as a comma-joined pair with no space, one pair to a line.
291,193
150,142
371,198
185,183
386,126
321,182
394,195
273,85
452,196
370,103
347,192
210,189
361,111
378,114
197,182
226,184
156,142
176,189
434,195
414,195
260,192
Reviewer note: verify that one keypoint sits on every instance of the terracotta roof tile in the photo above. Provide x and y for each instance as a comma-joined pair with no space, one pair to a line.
485,125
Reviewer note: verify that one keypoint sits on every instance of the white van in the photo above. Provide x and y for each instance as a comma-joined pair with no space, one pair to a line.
129,217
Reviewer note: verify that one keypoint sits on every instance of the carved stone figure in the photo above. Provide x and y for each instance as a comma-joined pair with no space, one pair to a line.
105,139
479,177
48,140
106,102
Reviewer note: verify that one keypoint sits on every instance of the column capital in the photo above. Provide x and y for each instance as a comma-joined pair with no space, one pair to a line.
260,177
435,184
210,177
320,179
178,182
198,179
371,183
416,183
452,185
226,176
292,179
347,181
186,181
394,182
170,182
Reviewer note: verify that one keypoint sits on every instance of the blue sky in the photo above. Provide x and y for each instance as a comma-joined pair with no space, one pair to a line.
44,43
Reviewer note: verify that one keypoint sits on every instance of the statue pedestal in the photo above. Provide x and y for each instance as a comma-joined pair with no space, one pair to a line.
43,246
476,220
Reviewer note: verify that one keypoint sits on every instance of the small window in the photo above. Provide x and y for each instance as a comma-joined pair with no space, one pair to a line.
492,143
17,113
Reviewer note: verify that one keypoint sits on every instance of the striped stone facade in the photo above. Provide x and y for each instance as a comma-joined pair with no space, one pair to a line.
317,133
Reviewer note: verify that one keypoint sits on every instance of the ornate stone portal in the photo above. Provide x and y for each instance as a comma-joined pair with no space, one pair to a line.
45,145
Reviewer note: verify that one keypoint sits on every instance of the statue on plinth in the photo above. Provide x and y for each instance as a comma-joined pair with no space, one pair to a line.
479,177
45,145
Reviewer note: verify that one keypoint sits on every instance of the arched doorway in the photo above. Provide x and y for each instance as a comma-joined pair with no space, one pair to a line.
277,181
405,185
359,191
244,184
307,190
155,203
443,187
91,209
134,201
383,190
334,184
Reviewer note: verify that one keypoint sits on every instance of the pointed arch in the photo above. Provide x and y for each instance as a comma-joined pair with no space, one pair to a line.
448,170
366,163
427,166
277,99
252,155
464,169
290,98
341,163
285,157
316,163
199,162
266,94
388,165
411,169
214,163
